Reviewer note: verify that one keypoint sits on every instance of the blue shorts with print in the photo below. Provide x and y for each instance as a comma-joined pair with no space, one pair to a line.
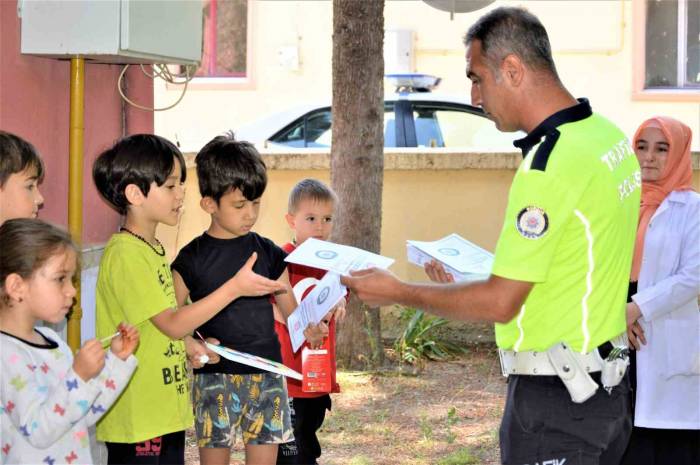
254,404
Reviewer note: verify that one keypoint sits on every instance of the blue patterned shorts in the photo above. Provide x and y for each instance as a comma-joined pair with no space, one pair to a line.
254,404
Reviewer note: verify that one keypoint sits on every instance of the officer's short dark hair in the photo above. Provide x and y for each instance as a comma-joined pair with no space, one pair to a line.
509,30
140,159
310,189
226,164
16,156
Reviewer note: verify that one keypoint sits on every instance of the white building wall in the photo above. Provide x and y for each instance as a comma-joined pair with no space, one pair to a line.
592,44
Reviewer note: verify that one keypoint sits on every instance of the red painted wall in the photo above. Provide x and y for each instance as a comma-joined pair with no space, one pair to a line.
34,104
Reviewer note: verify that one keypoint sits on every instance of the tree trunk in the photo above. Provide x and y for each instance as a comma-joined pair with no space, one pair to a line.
357,158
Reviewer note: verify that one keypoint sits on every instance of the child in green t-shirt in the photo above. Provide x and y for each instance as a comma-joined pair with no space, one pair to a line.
141,176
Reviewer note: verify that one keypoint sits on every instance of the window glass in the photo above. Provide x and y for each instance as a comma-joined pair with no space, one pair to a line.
693,44
318,133
661,44
443,127
225,41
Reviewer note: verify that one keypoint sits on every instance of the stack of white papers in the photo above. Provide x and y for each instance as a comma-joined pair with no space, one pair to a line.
336,257
464,260
315,306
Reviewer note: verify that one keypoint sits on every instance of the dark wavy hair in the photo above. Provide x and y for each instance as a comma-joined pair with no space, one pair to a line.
140,160
18,155
226,164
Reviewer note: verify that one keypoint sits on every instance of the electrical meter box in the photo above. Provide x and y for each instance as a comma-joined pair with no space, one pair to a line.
113,31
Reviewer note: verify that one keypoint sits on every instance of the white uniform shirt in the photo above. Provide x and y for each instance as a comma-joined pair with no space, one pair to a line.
668,366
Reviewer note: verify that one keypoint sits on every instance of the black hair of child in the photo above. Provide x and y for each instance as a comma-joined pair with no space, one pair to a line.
226,164
140,159
18,155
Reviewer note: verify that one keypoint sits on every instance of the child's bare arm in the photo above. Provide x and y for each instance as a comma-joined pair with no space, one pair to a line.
286,303
181,290
178,323
285,300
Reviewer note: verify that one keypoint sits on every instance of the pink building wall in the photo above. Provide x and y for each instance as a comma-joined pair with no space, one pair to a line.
34,104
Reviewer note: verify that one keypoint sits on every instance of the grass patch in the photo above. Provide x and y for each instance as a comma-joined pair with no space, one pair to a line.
461,456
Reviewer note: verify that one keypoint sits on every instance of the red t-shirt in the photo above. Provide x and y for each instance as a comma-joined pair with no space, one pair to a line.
293,360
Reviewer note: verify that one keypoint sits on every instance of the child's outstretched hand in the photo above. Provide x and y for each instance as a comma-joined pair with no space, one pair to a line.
249,283
89,360
198,354
315,334
338,311
125,344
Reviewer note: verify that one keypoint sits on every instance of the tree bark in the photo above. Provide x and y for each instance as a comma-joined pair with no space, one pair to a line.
357,158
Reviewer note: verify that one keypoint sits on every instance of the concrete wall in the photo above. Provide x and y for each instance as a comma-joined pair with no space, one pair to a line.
594,46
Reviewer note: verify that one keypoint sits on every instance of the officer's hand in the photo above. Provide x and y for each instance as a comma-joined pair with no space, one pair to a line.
374,286
436,272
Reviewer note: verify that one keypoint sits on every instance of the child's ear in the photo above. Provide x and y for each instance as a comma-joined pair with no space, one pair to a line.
15,287
208,204
290,221
133,194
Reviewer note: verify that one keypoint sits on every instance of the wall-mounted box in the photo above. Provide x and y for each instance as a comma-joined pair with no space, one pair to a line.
113,31
398,51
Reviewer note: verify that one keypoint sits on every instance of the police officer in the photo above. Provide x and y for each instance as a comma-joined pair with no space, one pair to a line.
557,289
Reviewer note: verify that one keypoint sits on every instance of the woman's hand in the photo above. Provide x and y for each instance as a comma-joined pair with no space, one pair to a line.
635,332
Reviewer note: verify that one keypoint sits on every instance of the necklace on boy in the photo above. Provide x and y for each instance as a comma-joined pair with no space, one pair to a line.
160,253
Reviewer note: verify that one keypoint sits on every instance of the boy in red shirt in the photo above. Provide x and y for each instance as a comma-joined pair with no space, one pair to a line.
310,214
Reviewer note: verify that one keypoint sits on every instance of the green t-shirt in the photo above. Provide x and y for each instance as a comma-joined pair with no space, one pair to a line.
570,228
133,285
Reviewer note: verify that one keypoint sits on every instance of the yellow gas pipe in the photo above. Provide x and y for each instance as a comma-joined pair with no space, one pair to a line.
75,184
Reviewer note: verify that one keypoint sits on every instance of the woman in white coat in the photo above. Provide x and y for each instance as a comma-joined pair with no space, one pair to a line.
662,315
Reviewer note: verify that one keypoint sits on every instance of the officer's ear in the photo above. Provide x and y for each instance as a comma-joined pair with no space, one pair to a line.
513,70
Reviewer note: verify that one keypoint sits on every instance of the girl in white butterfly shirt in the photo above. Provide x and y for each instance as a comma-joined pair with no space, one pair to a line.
48,397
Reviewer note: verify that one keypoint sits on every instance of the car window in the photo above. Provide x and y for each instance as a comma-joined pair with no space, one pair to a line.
314,130
451,127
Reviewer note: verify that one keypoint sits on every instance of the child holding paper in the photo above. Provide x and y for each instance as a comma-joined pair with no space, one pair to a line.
141,176
231,396
309,214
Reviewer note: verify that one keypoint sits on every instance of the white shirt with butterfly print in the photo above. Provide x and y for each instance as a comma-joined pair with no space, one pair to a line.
45,407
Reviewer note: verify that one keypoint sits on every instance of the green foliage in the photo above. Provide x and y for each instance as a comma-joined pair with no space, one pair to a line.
419,339
425,428
460,457
360,460
451,421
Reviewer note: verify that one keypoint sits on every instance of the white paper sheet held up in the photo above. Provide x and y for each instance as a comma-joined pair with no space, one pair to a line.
322,298
464,260
336,257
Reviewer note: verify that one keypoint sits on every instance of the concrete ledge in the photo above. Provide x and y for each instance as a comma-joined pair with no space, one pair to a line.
402,159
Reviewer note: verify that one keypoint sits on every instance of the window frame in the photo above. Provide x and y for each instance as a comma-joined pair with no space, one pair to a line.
231,82
639,91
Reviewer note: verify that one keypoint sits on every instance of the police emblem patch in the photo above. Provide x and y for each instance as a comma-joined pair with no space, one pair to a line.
532,222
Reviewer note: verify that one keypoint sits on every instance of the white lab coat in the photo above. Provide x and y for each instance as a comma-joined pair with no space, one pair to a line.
668,366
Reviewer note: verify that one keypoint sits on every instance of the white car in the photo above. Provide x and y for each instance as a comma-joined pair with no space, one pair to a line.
413,117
